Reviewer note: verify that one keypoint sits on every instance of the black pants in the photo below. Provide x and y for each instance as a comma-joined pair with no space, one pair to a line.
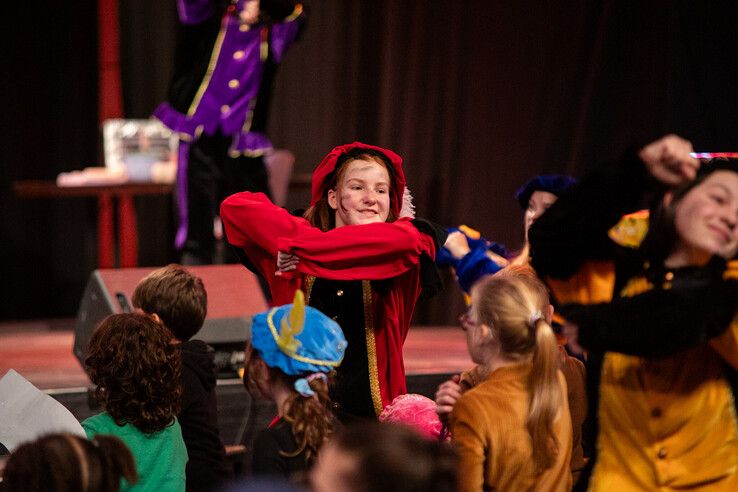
212,175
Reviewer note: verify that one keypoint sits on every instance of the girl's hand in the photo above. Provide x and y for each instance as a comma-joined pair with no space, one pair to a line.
571,333
668,160
446,397
250,12
285,262
457,245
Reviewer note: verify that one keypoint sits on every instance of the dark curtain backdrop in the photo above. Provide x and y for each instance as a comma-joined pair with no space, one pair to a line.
476,96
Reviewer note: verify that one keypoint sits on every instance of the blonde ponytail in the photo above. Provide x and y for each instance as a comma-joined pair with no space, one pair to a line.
545,398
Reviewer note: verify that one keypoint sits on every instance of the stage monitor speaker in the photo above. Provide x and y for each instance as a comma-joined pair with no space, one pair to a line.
234,296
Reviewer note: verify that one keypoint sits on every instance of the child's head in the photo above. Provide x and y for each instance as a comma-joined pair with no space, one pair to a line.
539,193
62,462
387,457
137,370
698,219
356,184
296,348
505,304
176,296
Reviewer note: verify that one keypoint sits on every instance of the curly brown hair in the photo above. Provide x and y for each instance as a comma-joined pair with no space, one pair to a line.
310,418
137,371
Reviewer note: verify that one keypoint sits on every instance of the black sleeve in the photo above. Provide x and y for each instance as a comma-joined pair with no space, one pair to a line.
429,276
659,322
278,10
575,228
267,457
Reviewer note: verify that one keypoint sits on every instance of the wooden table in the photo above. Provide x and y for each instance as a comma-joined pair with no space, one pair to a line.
108,197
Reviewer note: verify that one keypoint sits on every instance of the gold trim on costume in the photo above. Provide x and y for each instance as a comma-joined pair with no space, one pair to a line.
295,13
308,287
264,45
371,347
211,67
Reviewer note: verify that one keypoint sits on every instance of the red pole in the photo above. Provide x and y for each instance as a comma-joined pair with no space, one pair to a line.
110,99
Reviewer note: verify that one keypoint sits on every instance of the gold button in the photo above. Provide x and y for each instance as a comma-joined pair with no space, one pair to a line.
669,276
225,108
238,55
233,84
244,27
662,453
339,293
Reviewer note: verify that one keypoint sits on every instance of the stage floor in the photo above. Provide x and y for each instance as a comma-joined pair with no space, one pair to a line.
41,351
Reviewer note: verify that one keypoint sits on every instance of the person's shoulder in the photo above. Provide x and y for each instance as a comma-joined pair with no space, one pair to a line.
101,421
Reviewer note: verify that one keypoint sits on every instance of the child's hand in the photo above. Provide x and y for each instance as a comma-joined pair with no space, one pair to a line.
457,245
446,397
570,331
668,160
285,262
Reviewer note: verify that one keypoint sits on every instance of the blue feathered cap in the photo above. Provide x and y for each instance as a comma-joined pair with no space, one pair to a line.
552,183
298,339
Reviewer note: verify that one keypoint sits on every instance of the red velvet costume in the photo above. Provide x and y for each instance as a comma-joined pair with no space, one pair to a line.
368,252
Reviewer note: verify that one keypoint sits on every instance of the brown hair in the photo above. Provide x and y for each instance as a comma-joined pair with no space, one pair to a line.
393,458
310,418
506,302
137,371
176,296
321,215
62,462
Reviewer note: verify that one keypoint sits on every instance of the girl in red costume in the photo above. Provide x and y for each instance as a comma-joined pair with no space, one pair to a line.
359,256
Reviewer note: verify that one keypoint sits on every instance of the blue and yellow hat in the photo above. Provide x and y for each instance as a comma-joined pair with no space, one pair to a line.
298,339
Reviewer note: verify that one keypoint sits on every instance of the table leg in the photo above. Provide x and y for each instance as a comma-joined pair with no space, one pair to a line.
127,232
105,248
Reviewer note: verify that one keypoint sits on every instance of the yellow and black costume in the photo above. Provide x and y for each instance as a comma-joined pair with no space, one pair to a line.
662,366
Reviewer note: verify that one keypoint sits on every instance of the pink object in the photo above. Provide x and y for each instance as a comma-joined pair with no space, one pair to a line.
416,411
712,155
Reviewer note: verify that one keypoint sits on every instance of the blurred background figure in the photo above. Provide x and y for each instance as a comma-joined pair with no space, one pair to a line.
218,103
66,463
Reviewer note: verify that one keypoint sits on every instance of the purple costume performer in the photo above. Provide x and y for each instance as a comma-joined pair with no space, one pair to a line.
218,104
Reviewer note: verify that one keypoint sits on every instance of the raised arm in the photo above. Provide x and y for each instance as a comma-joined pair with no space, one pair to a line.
660,322
253,224
369,251
575,228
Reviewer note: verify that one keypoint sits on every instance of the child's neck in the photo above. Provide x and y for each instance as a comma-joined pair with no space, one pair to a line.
280,394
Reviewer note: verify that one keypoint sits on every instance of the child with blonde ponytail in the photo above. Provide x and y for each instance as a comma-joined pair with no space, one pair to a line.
513,430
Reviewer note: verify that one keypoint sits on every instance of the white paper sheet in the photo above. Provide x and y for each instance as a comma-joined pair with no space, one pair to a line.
27,413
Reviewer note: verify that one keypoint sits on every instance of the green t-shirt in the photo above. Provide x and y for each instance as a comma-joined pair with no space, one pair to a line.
160,457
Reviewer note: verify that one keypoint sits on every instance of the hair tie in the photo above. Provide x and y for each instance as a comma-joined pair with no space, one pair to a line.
535,318
302,385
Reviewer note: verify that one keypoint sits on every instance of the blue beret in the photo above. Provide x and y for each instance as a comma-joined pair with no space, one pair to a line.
298,339
552,183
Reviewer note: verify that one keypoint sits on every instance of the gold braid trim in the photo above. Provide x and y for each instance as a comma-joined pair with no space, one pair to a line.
211,67
308,287
371,347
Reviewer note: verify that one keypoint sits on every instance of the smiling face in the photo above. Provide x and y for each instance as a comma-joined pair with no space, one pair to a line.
362,194
538,203
706,221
